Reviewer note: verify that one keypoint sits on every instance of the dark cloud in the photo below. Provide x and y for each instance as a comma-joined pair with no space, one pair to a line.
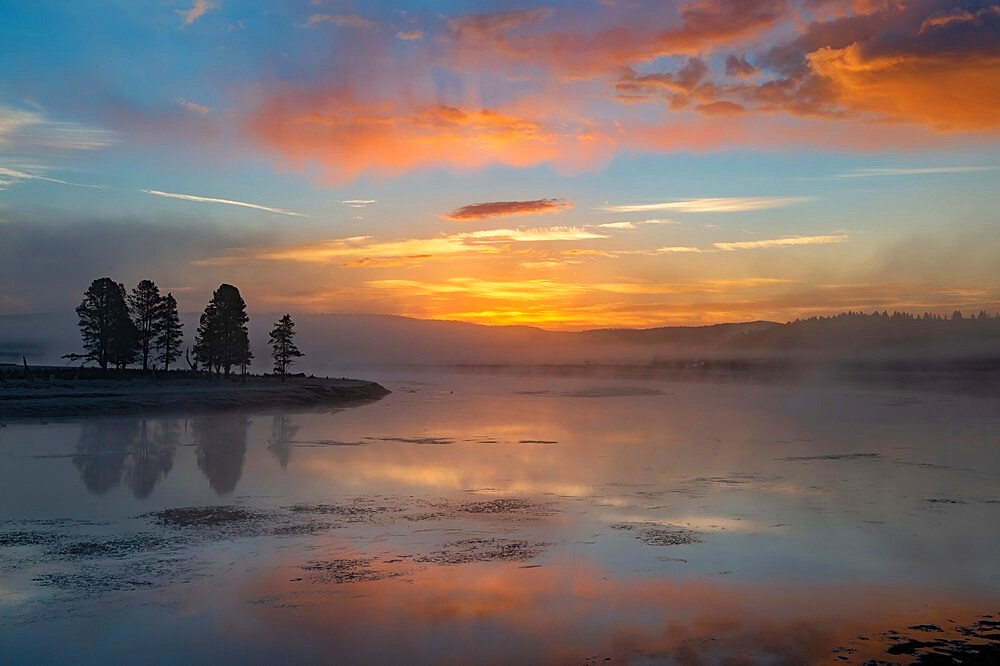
481,211
933,62
738,66
678,89
720,108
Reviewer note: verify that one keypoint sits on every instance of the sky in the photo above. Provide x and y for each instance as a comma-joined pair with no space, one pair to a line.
569,165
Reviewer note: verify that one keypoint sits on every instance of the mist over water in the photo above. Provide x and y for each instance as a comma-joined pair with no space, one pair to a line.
338,341
500,518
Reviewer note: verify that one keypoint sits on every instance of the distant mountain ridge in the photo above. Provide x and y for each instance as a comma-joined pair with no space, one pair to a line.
333,340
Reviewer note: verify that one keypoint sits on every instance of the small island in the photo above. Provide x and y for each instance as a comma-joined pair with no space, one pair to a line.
62,393
120,329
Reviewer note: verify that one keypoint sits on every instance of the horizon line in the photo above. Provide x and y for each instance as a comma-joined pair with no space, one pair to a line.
966,314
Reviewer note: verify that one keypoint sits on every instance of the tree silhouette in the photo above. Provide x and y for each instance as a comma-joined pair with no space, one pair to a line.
242,355
125,341
206,339
144,302
222,340
109,336
169,332
283,349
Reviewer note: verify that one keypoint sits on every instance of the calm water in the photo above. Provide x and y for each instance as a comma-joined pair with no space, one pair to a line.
506,519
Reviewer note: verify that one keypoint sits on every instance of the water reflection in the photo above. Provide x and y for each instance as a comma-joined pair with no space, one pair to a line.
135,452
818,515
283,433
569,610
152,456
221,444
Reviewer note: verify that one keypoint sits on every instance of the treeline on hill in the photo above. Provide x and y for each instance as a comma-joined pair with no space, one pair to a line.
141,327
882,330
849,331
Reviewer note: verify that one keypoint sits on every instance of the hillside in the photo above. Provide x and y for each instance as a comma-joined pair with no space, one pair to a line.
333,340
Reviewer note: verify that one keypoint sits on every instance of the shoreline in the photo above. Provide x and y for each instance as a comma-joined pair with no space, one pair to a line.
45,398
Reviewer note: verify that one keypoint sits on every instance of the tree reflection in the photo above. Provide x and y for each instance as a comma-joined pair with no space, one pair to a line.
282,435
135,452
152,456
221,442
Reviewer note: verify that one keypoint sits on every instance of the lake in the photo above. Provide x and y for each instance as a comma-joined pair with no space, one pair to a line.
501,517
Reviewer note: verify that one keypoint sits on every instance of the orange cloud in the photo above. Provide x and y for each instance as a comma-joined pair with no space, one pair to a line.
369,262
347,138
711,205
481,211
378,252
958,16
942,91
639,37
522,92
189,16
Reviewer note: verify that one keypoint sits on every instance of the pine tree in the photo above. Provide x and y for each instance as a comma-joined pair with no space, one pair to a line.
124,348
242,355
144,302
206,339
169,332
222,340
283,349
109,336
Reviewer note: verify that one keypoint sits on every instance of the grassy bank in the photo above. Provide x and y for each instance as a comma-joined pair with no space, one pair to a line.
63,392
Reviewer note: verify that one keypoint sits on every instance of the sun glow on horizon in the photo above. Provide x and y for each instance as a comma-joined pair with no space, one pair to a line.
701,162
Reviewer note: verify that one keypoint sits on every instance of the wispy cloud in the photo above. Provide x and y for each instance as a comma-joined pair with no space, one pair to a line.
390,262
371,252
679,249
957,16
367,249
581,252
410,35
189,16
920,171
711,205
529,235
546,290
11,176
357,203
782,242
481,211
525,290
192,197
22,129
193,107
634,225
693,287
342,20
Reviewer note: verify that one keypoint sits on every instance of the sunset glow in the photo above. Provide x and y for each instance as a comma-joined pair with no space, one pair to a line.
566,164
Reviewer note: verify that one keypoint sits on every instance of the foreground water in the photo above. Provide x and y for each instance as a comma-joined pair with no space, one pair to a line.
503,519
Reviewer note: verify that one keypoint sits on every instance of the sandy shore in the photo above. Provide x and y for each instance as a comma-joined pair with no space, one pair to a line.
49,398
